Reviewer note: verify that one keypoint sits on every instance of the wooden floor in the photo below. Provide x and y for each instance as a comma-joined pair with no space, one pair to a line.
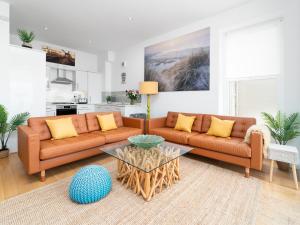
280,201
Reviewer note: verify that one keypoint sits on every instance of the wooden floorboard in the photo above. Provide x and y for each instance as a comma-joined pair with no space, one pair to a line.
279,199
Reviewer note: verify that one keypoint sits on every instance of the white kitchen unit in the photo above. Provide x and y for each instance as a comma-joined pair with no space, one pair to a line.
94,88
82,81
125,110
51,110
85,108
4,52
27,84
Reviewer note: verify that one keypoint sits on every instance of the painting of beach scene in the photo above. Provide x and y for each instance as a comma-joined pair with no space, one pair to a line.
180,64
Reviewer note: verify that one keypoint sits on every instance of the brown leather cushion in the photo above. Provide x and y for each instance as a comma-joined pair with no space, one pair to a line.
233,146
170,134
38,124
93,123
119,134
240,126
54,148
172,119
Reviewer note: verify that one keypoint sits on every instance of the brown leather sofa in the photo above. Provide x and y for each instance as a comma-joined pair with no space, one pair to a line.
232,150
38,152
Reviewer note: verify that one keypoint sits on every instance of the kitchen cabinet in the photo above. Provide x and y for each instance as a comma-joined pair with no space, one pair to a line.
109,108
81,109
94,88
50,110
82,81
125,110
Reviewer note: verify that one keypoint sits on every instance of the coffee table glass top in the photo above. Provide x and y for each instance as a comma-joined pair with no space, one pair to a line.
146,159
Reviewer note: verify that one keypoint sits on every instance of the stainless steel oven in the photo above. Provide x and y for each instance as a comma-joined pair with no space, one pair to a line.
66,109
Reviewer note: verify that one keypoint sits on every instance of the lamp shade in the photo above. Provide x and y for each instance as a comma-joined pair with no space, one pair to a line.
149,87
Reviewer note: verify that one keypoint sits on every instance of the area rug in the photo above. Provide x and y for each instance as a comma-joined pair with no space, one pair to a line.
206,195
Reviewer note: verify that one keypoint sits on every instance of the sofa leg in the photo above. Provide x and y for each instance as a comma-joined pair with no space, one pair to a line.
247,172
43,176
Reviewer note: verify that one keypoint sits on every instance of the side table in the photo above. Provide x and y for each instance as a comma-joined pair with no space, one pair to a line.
283,153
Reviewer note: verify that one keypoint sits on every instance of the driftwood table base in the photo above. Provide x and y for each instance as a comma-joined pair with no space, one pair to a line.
148,184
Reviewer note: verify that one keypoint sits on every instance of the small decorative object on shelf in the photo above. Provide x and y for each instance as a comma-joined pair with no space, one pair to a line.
26,37
133,95
123,78
146,141
108,99
283,128
7,128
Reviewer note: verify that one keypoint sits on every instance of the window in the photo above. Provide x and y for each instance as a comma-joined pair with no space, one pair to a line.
252,68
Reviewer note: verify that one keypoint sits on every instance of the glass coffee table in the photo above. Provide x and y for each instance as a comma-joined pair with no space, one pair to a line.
147,171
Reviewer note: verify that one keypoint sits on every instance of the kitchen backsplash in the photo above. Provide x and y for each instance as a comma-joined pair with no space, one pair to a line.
117,96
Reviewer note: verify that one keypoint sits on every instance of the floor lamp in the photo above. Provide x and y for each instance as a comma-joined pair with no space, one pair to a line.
148,88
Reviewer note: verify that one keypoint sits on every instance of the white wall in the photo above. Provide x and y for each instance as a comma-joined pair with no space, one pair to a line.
211,101
4,40
84,61
291,80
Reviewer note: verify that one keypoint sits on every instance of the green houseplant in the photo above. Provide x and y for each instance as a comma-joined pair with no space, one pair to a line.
8,127
108,99
26,37
283,128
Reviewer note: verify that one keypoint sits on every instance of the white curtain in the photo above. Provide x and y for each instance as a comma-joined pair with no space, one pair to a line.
254,51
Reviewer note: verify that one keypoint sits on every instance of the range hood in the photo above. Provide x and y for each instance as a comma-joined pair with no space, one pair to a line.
63,79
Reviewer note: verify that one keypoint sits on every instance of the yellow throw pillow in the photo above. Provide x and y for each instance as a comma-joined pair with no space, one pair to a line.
220,128
184,123
61,128
107,122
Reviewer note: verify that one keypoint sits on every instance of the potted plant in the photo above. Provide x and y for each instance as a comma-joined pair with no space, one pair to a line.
133,95
26,37
283,128
108,99
7,128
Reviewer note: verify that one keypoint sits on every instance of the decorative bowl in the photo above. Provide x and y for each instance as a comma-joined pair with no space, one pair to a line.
146,141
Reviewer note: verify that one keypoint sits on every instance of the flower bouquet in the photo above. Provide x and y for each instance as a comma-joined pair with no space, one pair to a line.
133,95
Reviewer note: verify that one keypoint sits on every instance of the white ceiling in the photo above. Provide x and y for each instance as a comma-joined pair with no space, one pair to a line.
73,23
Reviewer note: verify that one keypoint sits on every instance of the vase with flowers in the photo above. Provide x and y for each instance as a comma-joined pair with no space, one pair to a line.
133,96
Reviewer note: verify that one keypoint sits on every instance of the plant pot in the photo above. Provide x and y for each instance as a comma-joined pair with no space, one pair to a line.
26,45
132,102
283,166
4,153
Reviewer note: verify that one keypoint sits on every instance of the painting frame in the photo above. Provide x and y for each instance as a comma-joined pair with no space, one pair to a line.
59,56
181,63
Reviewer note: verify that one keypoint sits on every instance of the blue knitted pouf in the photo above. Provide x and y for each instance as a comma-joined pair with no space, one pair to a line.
90,184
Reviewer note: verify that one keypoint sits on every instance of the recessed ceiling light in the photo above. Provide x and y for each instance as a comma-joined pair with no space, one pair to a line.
130,18
45,28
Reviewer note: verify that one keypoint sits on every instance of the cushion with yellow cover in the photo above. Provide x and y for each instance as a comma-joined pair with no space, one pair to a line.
61,128
107,122
184,123
220,128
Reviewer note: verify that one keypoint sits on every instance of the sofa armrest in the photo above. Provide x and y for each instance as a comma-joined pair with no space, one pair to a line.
156,123
134,122
256,143
29,149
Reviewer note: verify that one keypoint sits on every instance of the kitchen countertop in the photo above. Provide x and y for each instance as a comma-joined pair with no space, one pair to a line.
117,104
100,104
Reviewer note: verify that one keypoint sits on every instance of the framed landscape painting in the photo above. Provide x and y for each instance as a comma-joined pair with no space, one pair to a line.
180,64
